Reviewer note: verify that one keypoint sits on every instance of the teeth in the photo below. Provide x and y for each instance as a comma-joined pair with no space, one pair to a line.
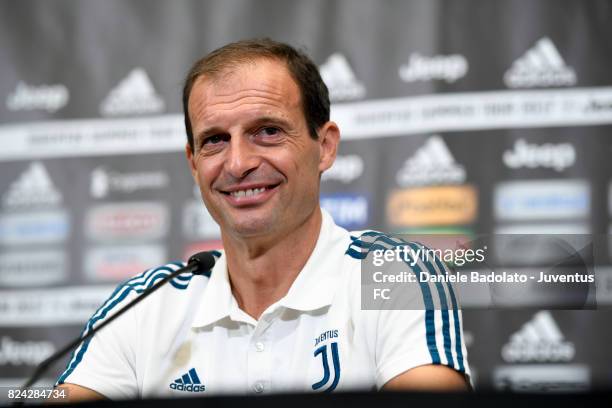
247,193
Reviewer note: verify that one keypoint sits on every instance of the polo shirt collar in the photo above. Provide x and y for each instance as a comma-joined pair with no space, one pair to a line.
218,300
315,285
313,288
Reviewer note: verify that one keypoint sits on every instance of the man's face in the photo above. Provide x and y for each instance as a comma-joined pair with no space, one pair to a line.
254,160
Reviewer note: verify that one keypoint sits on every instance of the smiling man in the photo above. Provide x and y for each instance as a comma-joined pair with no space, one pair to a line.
281,309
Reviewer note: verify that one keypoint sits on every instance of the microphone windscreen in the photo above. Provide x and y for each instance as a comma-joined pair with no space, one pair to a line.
205,261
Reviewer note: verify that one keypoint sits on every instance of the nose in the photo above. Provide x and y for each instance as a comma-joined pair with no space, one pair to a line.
241,158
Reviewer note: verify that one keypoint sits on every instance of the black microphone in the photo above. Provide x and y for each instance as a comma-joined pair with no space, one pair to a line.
197,264
205,261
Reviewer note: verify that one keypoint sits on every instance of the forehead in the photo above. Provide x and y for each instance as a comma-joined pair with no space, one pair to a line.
263,84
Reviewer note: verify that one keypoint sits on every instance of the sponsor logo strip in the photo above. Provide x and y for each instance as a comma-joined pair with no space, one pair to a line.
557,156
117,263
51,307
346,169
610,199
198,224
430,206
27,97
347,210
20,268
34,228
135,220
542,378
358,120
95,137
104,181
18,353
542,199
444,67
474,111
603,279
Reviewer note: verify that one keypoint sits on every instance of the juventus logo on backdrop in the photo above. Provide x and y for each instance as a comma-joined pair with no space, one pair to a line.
326,371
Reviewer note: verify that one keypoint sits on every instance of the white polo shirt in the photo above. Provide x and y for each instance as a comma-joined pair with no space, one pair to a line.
191,338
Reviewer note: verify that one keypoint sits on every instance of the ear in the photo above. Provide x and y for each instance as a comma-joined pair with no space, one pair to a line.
191,163
329,138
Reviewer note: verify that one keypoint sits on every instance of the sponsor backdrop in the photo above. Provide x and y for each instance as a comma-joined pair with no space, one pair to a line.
466,117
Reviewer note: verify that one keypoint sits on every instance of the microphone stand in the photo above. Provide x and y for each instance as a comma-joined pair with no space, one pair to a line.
196,262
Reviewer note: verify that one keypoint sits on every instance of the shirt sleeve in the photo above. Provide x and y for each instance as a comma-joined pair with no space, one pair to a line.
411,338
106,362
421,324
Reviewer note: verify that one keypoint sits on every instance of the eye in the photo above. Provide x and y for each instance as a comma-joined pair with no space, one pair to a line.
268,132
215,139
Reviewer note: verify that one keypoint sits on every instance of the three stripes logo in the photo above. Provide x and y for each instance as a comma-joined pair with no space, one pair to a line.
188,382
33,188
133,95
539,340
431,164
541,65
340,79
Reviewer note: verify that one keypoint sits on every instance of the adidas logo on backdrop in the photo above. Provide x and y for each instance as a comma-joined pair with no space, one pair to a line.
132,96
340,79
431,164
541,65
33,188
44,97
188,382
539,340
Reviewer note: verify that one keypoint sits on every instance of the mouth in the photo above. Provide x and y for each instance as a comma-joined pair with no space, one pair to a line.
249,195
246,193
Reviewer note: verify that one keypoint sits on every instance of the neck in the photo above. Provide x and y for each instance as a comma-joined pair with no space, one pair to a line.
262,270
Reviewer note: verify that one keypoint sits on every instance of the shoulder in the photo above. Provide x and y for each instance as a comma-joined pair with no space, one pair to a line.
414,273
150,277
362,243
375,243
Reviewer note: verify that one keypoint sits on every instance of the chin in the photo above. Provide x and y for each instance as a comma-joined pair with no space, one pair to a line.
252,226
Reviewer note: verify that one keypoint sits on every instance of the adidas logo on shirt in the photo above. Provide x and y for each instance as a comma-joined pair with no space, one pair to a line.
538,340
541,65
340,79
188,382
33,188
133,95
431,164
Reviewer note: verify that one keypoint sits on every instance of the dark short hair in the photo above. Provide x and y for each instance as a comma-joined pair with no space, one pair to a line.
314,93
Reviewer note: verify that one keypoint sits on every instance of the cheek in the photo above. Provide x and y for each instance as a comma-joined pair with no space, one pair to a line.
313,159
307,168
303,166
207,172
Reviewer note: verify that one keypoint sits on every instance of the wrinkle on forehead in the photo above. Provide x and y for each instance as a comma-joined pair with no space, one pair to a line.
243,97
267,84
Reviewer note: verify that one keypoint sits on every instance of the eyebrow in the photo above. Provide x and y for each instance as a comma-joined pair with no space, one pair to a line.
269,119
